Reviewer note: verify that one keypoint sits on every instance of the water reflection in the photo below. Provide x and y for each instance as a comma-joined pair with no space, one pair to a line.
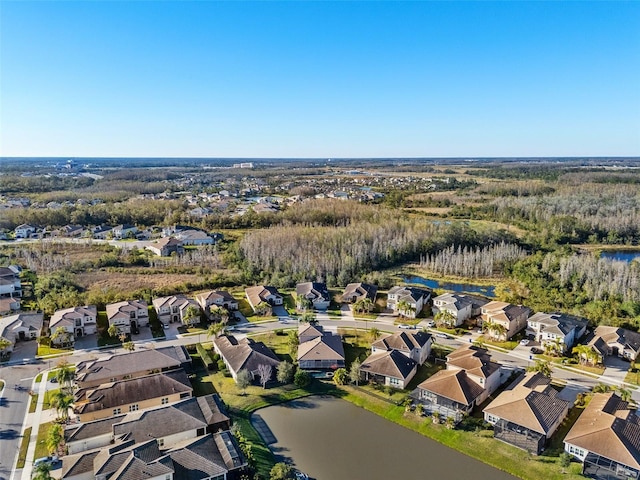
485,290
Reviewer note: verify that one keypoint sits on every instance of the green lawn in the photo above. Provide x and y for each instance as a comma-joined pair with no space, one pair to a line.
46,401
44,351
24,445
33,402
41,448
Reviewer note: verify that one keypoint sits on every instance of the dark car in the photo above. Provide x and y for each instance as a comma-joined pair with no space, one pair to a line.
536,350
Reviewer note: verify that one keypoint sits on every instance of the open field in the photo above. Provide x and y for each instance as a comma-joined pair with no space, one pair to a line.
134,281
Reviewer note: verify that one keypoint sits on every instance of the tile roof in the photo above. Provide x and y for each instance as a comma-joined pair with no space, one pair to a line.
123,392
389,364
403,341
9,325
608,428
558,323
123,309
245,354
454,385
409,293
529,402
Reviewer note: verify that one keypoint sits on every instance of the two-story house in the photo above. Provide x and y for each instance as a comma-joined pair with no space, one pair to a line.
414,345
461,307
78,321
24,231
166,246
408,301
504,319
315,292
124,231
173,309
128,316
218,298
616,341
556,328
10,285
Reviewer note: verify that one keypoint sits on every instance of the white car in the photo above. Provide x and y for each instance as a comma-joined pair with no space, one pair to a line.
431,324
524,341
407,327
442,335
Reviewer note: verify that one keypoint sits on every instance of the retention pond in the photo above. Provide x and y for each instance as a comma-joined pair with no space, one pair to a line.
332,439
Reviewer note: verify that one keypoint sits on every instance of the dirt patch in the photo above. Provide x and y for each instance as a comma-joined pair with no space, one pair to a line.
131,281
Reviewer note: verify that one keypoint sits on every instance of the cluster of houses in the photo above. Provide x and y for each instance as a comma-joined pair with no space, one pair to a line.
136,417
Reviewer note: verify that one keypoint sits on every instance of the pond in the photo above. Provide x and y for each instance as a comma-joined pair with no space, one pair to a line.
332,439
485,290
621,255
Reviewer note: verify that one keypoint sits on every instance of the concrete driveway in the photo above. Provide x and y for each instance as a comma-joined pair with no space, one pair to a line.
86,342
26,350
615,370
280,311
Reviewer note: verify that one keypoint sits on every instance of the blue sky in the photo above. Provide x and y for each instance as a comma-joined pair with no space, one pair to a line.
319,79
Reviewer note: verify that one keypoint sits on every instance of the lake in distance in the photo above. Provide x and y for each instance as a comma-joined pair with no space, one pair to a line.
332,439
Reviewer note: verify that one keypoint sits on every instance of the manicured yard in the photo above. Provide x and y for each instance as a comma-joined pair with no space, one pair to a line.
33,402
24,445
633,375
41,447
44,351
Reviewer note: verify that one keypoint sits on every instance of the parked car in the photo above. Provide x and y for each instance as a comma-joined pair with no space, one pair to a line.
524,341
536,350
406,326
431,324
442,335
45,461
301,476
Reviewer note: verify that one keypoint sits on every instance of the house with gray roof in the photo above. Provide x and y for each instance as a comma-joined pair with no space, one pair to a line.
556,328
390,368
128,316
606,439
139,363
512,318
10,284
20,327
408,301
461,306
527,413
263,293
415,345
315,292
245,354
76,321
319,349
131,395
355,292
172,309
616,341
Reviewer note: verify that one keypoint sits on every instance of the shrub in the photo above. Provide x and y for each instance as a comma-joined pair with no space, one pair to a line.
301,379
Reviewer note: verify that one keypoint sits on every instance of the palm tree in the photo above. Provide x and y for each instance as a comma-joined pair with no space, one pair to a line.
496,330
129,346
263,308
374,333
42,472
215,329
624,394
445,317
304,303
358,306
61,401
191,316
61,336
542,367
367,305
65,375
584,353
55,438
402,306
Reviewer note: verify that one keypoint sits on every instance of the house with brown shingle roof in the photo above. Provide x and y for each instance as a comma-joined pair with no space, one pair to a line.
218,298
450,392
527,413
166,246
390,368
131,395
359,291
606,439
616,341
263,293
244,354
173,308
77,321
319,349
415,345
513,318
316,292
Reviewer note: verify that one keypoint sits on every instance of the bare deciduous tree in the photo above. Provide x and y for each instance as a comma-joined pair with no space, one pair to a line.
265,372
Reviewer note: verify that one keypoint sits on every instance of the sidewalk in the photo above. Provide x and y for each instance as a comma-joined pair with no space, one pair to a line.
34,420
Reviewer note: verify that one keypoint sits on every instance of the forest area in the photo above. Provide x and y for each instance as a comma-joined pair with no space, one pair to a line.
522,227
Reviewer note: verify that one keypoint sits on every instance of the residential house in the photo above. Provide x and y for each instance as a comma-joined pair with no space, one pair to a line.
77,321
244,354
263,293
168,424
194,237
527,413
173,309
128,316
316,292
10,285
355,292
9,305
218,298
102,232
556,328
131,395
139,363
124,231
166,246
616,341
73,231
606,439
512,319
414,345
409,301
461,306
209,457
24,231
470,377
390,368
318,349
20,327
